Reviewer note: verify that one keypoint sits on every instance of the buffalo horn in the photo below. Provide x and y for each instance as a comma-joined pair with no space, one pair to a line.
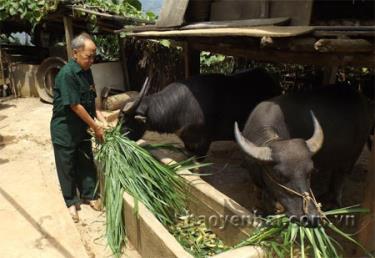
316,141
259,153
133,104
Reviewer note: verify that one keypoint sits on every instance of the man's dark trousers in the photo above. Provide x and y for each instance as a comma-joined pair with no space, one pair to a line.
76,169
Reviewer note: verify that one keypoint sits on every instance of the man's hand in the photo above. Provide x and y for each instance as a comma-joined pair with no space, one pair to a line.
99,133
82,113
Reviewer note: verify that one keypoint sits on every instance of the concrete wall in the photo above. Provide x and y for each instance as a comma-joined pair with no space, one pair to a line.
151,239
108,75
105,75
23,78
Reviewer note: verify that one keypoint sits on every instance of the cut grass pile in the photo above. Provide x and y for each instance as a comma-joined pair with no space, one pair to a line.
283,238
192,233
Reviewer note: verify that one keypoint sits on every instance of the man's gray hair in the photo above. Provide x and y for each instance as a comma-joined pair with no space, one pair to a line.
79,41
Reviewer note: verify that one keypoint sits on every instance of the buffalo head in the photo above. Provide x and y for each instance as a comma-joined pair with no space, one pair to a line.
287,166
133,123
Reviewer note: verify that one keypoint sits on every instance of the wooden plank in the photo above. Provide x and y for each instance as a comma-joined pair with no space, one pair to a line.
272,31
198,11
237,23
172,14
224,10
299,11
288,57
265,9
68,35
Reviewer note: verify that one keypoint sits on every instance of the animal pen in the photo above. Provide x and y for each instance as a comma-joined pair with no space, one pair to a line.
322,33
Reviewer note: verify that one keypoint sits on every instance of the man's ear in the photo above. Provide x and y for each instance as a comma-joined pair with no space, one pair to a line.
74,54
140,118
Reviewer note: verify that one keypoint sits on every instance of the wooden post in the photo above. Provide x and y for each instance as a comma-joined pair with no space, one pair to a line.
329,74
367,223
192,60
68,35
124,63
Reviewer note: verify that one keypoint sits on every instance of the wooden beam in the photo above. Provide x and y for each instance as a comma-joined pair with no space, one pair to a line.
123,19
68,35
259,31
295,44
191,59
236,23
344,46
289,57
339,33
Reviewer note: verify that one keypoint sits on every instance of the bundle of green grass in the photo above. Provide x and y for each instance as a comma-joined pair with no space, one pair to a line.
126,166
281,237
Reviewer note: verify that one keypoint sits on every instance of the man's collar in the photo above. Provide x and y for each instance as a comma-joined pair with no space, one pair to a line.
75,66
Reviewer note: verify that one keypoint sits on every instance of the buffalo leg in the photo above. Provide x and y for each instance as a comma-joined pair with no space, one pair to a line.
332,197
338,181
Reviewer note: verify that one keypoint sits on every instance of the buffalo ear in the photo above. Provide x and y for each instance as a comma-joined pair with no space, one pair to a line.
140,118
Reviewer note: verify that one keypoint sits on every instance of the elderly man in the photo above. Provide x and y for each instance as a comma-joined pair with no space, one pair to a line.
73,113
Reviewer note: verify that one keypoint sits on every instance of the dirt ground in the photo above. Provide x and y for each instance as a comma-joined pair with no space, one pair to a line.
25,146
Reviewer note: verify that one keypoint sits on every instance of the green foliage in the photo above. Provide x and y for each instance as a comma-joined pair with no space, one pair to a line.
165,42
31,11
129,8
216,63
107,47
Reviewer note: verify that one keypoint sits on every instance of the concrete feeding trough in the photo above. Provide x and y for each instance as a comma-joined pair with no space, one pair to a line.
224,216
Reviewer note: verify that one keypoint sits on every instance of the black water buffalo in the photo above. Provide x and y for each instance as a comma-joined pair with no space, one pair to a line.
297,141
199,110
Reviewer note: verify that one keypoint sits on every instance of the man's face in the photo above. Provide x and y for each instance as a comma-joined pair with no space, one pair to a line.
85,56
